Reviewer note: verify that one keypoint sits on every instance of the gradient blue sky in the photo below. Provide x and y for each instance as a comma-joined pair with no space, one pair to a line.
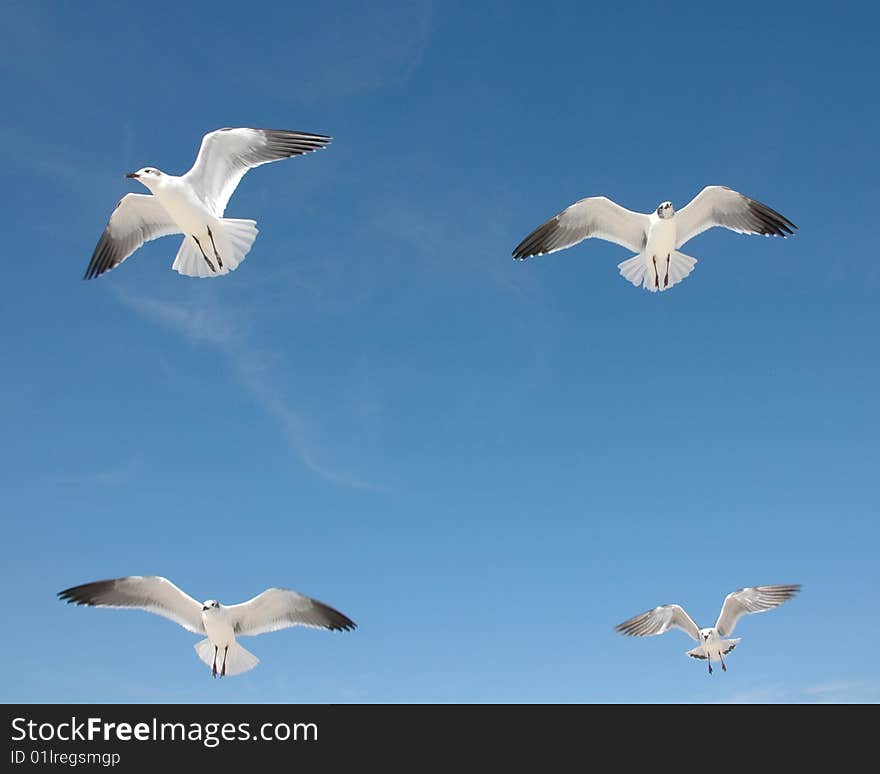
487,464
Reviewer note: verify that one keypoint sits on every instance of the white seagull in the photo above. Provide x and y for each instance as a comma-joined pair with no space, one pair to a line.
655,237
193,204
267,612
713,645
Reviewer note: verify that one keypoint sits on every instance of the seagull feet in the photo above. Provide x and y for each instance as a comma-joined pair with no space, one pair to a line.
710,669
223,668
723,667
666,278
216,254
207,260
656,275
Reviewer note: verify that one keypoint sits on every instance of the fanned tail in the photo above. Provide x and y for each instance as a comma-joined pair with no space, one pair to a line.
639,271
233,239
633,270
238,659
726,646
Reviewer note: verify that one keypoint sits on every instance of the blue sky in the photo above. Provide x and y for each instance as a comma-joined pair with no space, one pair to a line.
487,464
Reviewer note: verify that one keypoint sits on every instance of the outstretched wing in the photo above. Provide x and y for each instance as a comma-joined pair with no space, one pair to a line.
757,599
596,216
717,205
280,608
150,592
138,218
659,620
226,154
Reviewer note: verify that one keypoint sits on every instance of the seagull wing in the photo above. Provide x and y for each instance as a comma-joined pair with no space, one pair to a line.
138,218
226,154
717,205
660,619
280,608
151,593
757,599
596,216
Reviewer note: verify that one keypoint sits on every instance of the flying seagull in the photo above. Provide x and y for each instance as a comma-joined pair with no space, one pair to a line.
655,237
267,612
193,204
713,645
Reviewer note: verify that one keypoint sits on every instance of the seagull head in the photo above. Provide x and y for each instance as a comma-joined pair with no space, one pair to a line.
665,210
705,634
210,604
149,176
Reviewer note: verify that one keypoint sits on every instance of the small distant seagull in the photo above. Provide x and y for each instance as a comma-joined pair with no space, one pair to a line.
193,204
713,645
267,612
655,237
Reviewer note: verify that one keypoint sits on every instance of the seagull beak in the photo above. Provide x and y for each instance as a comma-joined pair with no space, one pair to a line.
133,175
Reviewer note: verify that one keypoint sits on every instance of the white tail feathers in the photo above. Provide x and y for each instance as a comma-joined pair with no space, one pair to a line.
238,659
639,270
701,653
232,238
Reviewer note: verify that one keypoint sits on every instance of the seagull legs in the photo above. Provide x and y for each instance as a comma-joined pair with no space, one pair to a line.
217,255
656,275
665,279
723,665
709,661
223,670
214,665
207,260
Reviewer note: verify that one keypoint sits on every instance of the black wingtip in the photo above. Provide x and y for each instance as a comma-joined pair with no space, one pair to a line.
537,242
342,624
772,223
86,593
336,621
68,595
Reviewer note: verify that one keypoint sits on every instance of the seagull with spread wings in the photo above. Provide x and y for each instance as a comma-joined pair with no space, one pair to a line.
193,204
713,643
267,612
657,236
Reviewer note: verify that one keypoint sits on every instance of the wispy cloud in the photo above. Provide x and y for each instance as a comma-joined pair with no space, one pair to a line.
25,42
843,692
119,475
206,325
830,692
387,51
761,694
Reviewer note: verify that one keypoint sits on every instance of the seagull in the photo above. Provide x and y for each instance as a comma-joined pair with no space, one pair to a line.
713,645
655,237
193,204
267,612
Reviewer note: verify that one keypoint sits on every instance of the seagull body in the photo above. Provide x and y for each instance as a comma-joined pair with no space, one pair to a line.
267,612
655,237
714,642
194,204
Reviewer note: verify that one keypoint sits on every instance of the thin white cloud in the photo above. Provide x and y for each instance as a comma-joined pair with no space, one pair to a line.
763,694
120,475
387,51
205,325
829,692
843,692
